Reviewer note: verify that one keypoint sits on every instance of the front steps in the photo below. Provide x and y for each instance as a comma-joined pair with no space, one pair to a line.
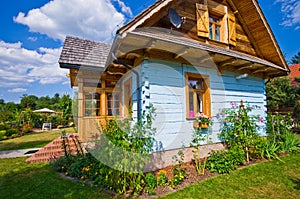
55,149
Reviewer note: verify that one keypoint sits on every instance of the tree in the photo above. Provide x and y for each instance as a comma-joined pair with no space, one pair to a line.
29,101
295,59
280,92
44,102
65,104
2,102
55,101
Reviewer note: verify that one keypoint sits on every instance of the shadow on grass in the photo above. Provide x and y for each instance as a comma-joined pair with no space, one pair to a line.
40,181
24,145
296,182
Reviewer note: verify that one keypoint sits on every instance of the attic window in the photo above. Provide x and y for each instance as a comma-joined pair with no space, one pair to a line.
214,28
212,23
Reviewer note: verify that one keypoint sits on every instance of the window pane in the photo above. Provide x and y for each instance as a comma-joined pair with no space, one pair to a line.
214,28
210,31
191,104
217,33
92,104
113,104
199,102
195,83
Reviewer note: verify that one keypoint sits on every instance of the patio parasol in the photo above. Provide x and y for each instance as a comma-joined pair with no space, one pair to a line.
44,110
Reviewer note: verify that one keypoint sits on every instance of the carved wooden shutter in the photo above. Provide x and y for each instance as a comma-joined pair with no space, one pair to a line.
231,29
202,20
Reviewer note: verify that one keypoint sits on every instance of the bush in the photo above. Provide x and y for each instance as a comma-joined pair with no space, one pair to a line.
150,182
63,164
26,129
10,132
280,134
267,149
2,134
85,167
162,178
3,127
290,142
118,158
225,161
240,128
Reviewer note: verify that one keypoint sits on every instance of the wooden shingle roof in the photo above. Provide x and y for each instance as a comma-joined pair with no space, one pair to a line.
79,52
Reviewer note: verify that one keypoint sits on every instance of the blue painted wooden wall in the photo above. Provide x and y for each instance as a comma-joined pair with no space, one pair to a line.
166,91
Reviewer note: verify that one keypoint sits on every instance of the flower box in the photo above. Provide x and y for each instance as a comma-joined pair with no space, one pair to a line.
197,124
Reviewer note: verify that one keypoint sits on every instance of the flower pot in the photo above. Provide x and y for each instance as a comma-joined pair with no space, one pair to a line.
204,125
197,124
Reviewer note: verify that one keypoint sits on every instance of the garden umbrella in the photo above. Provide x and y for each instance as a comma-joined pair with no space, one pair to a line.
44,110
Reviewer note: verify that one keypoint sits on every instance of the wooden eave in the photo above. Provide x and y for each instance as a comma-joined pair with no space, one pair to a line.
149,43
258,30
143,16
254,24
75,68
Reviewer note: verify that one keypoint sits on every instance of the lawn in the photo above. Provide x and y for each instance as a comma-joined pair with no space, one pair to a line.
273,179
22,180
32,140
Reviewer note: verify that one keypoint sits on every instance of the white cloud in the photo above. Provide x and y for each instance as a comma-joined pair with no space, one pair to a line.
33,39
17,90
291,11
125,9
20,66
91,19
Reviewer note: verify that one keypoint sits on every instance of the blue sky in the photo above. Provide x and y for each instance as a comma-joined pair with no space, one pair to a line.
32,34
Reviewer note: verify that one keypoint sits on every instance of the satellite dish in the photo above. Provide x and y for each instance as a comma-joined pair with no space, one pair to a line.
174,18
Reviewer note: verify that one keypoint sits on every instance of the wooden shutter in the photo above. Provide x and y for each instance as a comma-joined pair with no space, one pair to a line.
202,20
231,29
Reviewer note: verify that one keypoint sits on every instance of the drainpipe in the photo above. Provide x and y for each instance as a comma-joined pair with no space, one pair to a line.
137,84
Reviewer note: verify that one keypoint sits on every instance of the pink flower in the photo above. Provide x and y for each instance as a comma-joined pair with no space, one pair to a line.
237,118
261,119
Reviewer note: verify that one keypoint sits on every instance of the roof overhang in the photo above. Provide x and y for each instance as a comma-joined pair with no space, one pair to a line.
74,72
168,45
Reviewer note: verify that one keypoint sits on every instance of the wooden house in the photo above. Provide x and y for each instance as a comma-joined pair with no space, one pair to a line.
181,56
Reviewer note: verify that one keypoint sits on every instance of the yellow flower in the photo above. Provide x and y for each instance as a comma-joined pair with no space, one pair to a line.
162,171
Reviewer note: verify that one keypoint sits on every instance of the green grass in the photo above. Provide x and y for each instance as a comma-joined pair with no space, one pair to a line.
273,179
22,180
32,140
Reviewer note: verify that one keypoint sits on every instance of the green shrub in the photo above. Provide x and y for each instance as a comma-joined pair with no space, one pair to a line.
179,173
290,142
3,127
150,182
225,161
2,134
85,167
63,164
240,128
118,158
10,132
278,125
162,178
280,134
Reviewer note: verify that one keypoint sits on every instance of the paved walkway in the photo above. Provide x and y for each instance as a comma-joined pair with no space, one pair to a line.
18,153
